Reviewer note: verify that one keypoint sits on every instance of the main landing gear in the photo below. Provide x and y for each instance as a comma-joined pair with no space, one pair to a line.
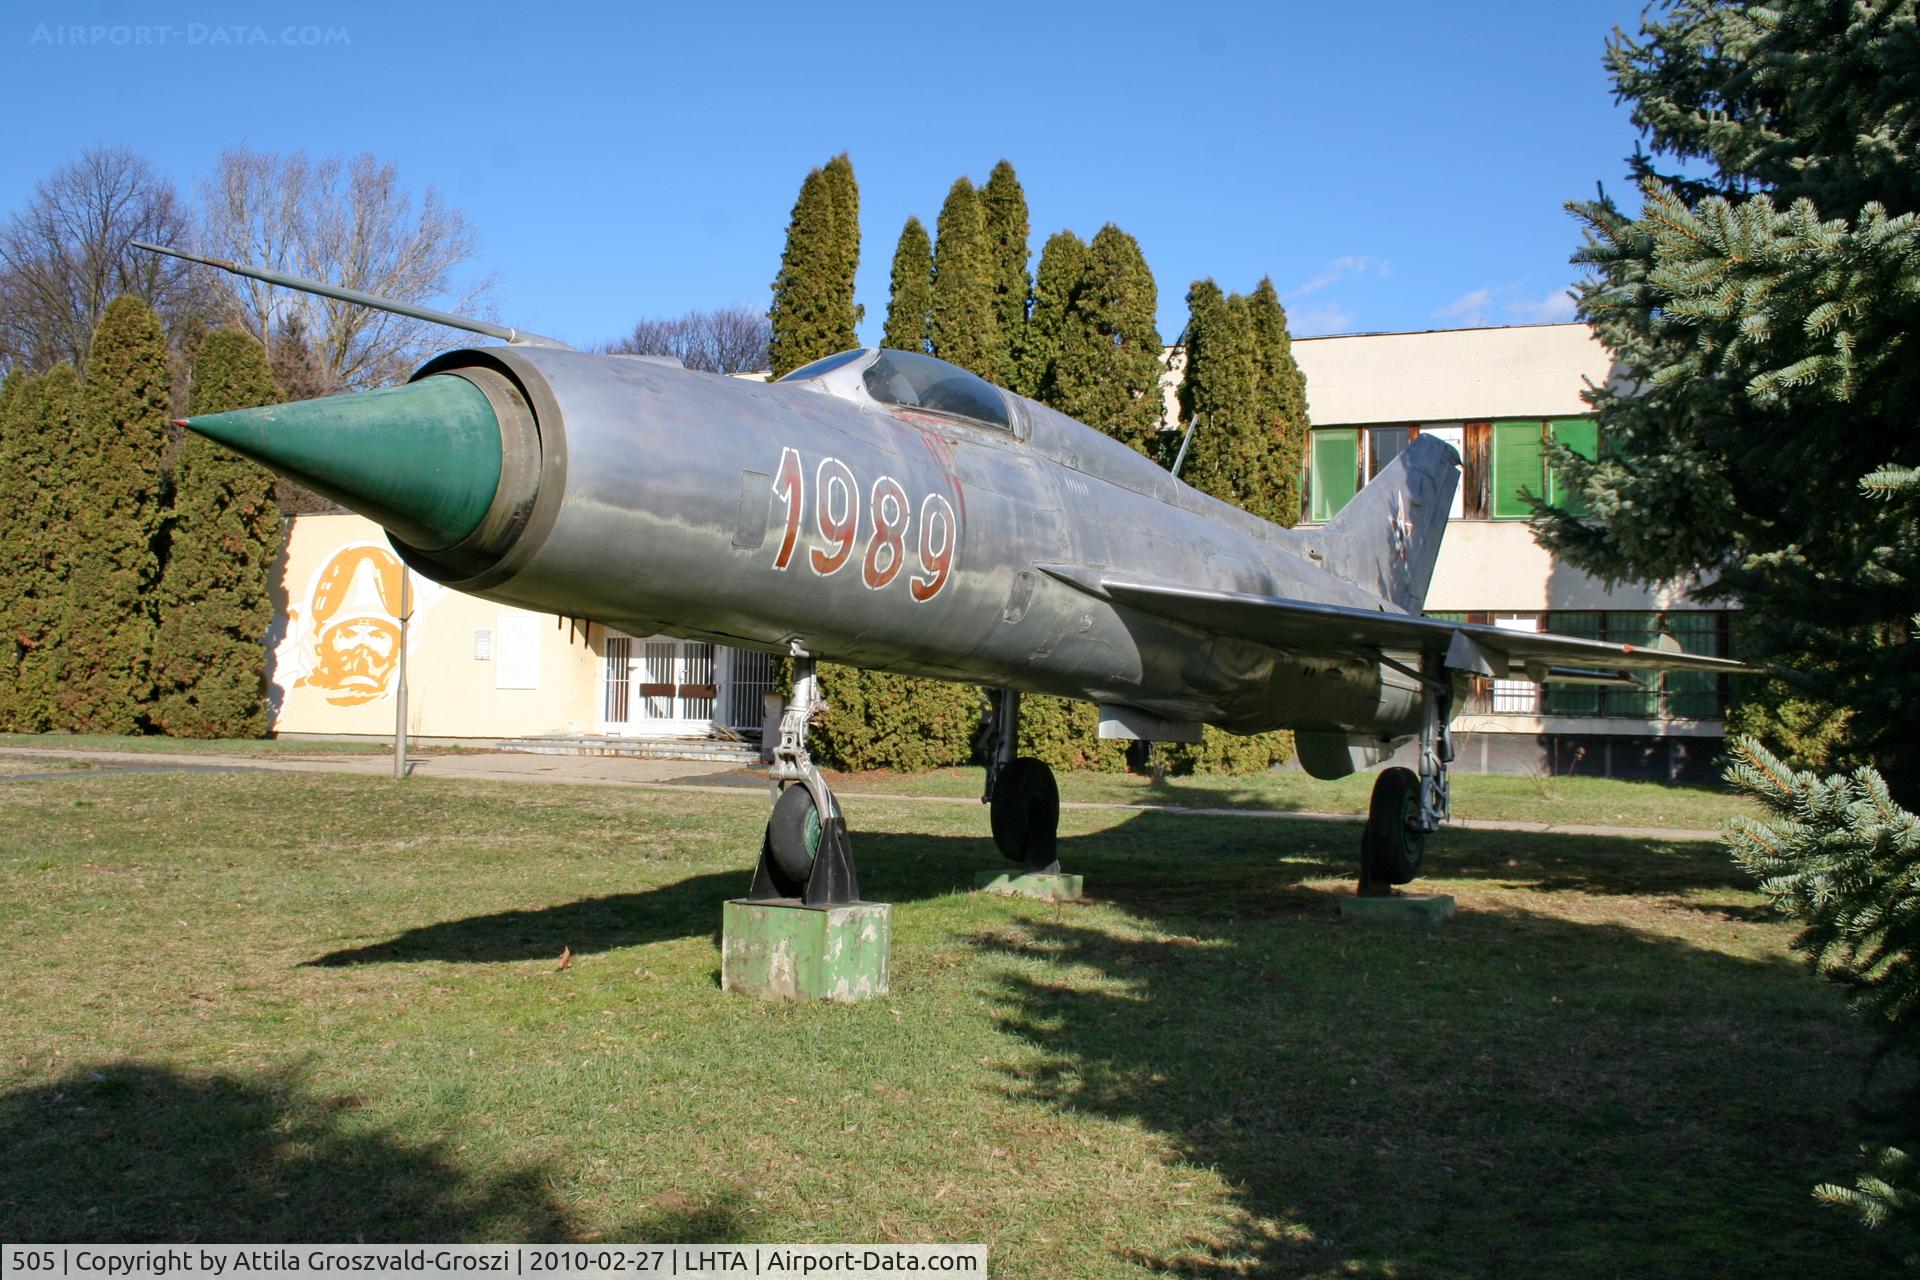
806,853
1407,807
1022,798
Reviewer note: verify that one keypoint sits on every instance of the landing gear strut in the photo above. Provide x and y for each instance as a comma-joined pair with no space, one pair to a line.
806,853
1022,798
1408,807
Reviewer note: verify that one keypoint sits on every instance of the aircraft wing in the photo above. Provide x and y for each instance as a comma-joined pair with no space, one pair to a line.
1307,625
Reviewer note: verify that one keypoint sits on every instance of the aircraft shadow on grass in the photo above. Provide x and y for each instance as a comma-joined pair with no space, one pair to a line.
135,1152
1519,1089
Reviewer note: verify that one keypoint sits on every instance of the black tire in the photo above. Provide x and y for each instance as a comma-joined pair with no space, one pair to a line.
1026,812
1392,848
793,833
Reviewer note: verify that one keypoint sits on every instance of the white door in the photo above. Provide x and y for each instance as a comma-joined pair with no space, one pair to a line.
1522,696
659,686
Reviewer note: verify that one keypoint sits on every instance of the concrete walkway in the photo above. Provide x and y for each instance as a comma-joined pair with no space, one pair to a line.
662,775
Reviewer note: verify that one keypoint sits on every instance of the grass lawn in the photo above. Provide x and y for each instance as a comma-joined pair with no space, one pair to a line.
296,1007
1595,802
201,746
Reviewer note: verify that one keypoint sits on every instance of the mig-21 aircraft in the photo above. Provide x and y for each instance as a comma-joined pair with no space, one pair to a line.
891,511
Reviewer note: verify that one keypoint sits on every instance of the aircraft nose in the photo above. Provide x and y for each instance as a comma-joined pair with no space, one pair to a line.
422,460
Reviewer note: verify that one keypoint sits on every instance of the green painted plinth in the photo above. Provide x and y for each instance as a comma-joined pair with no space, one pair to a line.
784,951
1399,908
1049,888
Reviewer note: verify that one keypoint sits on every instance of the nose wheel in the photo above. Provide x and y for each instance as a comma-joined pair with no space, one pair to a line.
806,852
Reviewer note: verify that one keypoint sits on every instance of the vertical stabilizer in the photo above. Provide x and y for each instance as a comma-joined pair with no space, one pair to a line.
1387,539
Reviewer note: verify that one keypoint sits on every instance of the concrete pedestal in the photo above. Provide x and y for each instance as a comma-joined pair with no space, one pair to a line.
781,950
1049,887
1398,908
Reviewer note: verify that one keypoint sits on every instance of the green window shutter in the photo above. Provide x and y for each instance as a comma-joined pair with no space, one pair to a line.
1336,472
1582,435
1517,452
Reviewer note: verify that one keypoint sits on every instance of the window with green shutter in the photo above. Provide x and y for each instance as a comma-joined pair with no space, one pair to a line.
1582,435
1575,699
1334,472
1517,453
1695,695
1640,630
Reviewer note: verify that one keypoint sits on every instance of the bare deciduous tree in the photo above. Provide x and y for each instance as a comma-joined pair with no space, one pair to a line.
349,223
731,340
65,257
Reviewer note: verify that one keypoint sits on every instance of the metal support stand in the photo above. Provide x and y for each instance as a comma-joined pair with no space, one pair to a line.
830,879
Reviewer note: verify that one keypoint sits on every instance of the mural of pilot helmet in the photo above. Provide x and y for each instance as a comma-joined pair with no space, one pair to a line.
355,619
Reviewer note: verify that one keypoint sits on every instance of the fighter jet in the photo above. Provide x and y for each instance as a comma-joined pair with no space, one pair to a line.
891,511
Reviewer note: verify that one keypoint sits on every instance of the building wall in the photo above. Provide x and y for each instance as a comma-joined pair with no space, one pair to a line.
476,669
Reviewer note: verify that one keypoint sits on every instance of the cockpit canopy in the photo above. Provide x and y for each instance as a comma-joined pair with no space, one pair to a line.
915,381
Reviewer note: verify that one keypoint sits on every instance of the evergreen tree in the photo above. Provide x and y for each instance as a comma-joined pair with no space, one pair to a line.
1233,458
1108,371
1220,400
910,301
1004,207
1283,406
1841,857
846,217
813,313
964,331
114,487
34,528
1760,310
21,425
878,720
214,610
41,551
1056,290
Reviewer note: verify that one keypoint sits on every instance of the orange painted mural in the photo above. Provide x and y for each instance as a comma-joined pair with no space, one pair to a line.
343,637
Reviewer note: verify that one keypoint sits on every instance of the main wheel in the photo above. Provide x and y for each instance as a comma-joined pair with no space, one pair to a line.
1391,846
793,833
1026,811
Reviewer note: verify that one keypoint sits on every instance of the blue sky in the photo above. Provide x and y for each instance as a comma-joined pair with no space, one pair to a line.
1390,165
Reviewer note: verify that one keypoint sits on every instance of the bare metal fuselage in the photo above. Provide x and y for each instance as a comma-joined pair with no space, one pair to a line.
720,509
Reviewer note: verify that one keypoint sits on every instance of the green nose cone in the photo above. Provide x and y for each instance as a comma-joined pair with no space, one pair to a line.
422,460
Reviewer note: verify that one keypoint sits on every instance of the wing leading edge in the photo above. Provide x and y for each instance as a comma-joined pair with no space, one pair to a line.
1303,624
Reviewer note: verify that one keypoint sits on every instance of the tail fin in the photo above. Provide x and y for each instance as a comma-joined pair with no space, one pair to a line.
1387,539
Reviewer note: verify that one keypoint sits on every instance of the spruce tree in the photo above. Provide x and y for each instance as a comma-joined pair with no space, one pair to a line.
1841,857
9,389
1108,371
1283,406
1760,310
910,301
964,331
1056,290
114,487
214,610
1004,206
813,313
